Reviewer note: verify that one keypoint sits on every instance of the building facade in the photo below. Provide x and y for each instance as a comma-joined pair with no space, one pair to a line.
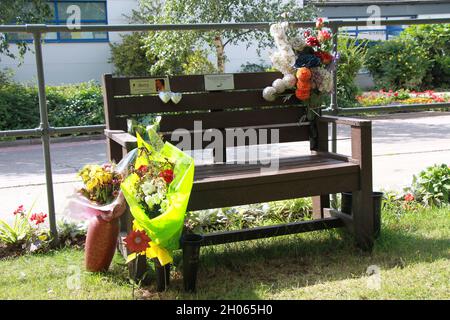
78,57
74,57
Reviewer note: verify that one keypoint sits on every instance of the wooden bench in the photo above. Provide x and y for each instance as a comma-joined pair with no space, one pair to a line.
224,183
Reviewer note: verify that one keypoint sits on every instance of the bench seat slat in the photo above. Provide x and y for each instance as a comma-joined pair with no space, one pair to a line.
222,194
229,175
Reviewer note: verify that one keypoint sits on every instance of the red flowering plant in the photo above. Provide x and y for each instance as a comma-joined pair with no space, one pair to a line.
304,57
26,230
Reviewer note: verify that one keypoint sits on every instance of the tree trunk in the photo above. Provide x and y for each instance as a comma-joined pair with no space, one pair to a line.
220,53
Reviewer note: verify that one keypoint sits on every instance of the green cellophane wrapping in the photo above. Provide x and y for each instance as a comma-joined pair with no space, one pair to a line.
165,230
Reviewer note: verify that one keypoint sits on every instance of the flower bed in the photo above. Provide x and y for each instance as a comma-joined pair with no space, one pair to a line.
382,97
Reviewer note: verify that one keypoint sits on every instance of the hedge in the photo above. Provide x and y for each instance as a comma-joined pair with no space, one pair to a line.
69,105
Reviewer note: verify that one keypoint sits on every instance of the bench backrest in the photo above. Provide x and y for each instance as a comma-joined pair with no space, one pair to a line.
242,107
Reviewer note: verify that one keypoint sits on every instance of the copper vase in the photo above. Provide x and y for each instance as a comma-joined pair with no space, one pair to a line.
101,242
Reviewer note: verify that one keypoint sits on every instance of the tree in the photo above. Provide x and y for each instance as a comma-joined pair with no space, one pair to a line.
150,53
21,12
171,43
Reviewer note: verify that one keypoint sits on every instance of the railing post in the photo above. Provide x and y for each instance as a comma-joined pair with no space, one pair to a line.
45,134
334,103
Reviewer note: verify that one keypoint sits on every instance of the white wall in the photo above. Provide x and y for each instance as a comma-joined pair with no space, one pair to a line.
72,62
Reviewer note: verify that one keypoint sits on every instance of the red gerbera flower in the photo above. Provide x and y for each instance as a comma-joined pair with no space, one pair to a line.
137,241
38,218
167,175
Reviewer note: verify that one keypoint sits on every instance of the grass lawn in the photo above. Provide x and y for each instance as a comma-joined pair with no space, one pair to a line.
412,255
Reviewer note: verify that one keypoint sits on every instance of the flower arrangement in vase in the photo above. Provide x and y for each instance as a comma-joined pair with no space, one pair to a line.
303,57
99,199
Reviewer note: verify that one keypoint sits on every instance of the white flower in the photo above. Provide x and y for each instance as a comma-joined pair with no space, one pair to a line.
153,200
279,85
322,80
289,80
270,94
278,30
283,61
148,187
297,43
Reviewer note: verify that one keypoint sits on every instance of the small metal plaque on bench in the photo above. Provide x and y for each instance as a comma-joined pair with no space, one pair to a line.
149,85
219,82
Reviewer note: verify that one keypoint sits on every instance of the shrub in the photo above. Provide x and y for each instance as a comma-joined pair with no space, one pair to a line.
75,105
69,105
352,56
435,40
18,107
397,64
432,185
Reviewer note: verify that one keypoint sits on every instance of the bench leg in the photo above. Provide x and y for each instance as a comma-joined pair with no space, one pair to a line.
319,203
363,219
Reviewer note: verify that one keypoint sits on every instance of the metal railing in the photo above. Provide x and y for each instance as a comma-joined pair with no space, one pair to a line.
45,130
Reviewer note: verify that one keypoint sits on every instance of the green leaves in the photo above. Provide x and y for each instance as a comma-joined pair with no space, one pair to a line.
70,105
432,186
185,52
21,12
397,64
352,56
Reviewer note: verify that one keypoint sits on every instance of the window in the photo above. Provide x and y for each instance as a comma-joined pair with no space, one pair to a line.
374,32
92,12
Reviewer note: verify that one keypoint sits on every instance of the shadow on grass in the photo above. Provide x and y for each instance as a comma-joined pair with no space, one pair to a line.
246,270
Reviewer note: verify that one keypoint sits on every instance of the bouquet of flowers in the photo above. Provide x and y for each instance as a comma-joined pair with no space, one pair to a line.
157,192
305,60
99,194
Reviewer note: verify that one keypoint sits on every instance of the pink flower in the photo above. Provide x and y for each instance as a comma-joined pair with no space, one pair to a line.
38,218
409,197
324,35
19,210
319,23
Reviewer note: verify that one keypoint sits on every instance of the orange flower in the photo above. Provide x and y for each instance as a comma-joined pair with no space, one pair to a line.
304,85
302,94
303,74
137,241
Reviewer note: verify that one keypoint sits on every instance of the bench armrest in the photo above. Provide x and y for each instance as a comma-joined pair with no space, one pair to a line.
346,121
124,139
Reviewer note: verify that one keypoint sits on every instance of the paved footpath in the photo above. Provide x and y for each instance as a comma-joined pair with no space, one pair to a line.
402,146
